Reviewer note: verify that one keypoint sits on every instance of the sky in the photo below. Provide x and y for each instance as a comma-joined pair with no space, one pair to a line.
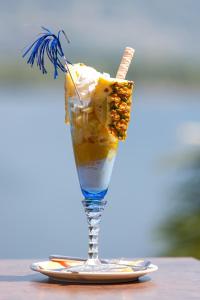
157,29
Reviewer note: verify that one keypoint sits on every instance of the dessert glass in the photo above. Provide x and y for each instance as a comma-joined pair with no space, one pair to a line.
94,151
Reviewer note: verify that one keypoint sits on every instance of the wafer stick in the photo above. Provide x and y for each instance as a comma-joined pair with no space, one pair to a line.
125,62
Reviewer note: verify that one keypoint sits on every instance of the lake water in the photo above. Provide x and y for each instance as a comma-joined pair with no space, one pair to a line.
40,198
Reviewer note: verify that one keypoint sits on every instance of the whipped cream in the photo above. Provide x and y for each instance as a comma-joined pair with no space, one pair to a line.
86,80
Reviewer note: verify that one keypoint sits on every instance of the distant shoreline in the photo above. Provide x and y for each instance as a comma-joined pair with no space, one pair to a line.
177,75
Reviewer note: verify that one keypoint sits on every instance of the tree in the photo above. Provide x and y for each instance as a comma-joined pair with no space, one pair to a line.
182,229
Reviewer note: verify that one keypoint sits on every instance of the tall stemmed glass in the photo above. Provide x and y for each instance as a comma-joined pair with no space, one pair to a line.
94,140
94,151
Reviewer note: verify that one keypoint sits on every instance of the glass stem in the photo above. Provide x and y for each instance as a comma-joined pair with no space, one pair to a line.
93,210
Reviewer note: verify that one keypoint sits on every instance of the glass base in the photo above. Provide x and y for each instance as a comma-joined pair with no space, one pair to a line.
91,195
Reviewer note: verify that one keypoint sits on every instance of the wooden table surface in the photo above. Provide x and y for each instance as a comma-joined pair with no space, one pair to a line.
177,278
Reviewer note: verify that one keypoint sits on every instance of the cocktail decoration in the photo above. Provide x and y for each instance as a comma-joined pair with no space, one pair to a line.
49,44
98,111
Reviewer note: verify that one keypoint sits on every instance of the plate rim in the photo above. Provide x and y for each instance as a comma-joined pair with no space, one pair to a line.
101,276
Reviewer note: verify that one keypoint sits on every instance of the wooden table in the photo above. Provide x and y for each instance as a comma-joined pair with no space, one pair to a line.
177,278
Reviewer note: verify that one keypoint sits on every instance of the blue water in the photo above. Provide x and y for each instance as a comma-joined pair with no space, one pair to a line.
41,211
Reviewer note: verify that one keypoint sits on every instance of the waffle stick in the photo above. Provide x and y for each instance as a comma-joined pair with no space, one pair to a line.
125,62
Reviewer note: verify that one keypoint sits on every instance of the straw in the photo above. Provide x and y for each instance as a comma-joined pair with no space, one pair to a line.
125,62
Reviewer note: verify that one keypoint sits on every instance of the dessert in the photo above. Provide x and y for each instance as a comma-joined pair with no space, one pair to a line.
98,121
97,108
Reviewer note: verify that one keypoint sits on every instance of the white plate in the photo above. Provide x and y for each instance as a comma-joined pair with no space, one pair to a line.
57,271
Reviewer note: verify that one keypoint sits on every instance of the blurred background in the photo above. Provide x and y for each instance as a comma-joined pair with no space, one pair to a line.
154,197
